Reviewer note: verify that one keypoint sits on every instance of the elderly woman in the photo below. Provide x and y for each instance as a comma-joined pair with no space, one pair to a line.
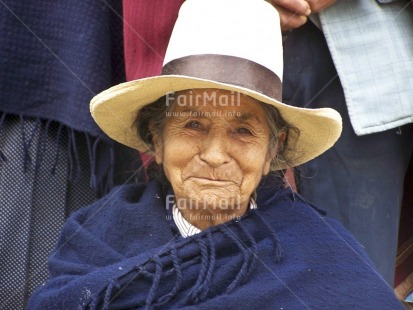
217,230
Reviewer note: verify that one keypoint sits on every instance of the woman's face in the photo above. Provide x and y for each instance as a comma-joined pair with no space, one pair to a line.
214,148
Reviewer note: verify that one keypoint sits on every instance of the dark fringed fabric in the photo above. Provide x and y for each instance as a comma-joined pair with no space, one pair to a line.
54,57
123,253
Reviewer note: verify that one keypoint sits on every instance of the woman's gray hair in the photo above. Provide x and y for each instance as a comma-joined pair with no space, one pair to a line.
277,124
152,117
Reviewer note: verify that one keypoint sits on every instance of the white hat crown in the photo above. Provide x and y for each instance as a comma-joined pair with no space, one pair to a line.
251,31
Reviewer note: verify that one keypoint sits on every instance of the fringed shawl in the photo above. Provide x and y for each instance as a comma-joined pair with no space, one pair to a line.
54,57
123,253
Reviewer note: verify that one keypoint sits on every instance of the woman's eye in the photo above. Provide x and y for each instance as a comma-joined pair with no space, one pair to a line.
243,131
193,124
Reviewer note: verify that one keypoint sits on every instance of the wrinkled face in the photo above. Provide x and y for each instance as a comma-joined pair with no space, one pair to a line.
214,148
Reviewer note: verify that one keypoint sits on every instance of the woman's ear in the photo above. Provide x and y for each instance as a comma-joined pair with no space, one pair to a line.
267,166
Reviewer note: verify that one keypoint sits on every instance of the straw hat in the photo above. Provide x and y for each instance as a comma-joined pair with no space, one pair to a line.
234,45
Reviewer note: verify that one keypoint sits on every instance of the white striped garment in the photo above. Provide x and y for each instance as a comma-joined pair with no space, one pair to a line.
187,229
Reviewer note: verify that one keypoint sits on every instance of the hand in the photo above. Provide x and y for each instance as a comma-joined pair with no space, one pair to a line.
293,13
319,5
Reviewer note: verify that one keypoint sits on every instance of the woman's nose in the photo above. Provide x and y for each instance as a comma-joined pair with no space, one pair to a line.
214,148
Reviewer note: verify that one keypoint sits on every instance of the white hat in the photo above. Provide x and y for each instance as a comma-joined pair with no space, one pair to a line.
234,45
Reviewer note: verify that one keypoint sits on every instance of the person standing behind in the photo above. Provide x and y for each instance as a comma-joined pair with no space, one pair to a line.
359,61
54,57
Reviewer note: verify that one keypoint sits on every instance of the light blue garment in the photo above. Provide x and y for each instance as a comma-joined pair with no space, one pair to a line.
372,48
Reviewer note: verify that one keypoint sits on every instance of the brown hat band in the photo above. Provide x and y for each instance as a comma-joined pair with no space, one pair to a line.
227,69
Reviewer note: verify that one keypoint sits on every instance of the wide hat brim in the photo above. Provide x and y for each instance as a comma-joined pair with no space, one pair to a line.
115,110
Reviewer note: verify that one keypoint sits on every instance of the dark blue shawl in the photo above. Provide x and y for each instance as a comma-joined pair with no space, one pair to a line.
56,55
123,252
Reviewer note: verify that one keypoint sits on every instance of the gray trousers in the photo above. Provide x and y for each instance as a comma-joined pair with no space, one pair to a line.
34,203
45,175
